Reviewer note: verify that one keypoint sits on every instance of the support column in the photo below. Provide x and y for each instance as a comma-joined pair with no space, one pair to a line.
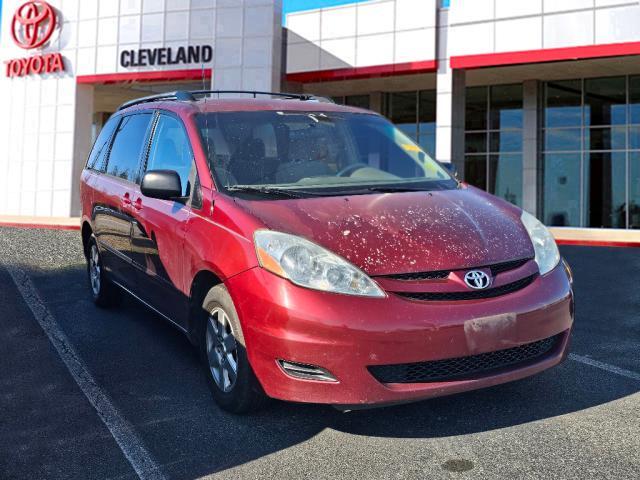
82,142
248,46
450,103
530,147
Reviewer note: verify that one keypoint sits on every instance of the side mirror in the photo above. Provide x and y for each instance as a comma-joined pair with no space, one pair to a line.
162,184
450,167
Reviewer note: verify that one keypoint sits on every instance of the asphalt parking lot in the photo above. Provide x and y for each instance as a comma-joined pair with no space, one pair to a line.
148,404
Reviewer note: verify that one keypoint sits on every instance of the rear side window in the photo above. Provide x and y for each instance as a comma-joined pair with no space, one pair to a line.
101,147
124,159
171,150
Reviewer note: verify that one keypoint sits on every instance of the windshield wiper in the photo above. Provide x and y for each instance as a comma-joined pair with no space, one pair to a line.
272,191
391,189
264,190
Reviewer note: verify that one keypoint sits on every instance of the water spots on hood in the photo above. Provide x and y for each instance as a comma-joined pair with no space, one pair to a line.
407,232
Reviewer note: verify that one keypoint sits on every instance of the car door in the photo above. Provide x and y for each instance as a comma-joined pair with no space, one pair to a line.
159,225
115,189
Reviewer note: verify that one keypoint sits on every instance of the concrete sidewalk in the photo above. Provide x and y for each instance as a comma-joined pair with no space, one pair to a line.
61,223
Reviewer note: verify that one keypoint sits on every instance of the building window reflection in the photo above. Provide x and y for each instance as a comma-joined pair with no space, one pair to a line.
414,113
359,101
493,140
591,138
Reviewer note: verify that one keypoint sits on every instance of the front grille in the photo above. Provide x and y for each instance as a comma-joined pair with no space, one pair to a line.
506,266
469,294
464,368
435,275
442,274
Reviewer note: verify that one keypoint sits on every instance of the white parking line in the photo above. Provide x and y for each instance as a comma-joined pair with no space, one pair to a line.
605,366
123,433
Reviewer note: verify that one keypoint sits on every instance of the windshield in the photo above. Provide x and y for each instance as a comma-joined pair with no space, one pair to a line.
327,153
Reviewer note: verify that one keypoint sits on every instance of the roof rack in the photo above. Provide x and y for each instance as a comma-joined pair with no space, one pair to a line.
181,96
190,96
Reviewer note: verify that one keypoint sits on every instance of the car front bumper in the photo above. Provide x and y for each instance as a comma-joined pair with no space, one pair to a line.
346,334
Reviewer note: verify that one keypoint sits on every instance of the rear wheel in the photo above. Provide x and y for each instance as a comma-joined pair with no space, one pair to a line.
105,294
222,348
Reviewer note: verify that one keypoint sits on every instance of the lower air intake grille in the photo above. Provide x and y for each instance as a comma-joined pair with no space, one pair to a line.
463,368
443,274
470,294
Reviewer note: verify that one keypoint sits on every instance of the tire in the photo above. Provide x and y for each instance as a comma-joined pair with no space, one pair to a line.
104,293
233,384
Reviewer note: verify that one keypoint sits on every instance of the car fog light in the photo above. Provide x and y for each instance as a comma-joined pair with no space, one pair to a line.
306,372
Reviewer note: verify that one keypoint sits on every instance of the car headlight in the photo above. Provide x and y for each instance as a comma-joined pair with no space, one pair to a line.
309,265
547,254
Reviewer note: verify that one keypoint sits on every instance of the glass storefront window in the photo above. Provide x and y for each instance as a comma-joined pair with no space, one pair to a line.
476,142
561,199
563,104
505,177
605,190
506,141
359,101
634,100
634,138
634,189
506,107
476,108
493,141
427,121
475,170
605,101
562,139
590,159
403,112
415,114
608,138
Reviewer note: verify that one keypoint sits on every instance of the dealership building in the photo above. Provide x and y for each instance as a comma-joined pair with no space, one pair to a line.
536,101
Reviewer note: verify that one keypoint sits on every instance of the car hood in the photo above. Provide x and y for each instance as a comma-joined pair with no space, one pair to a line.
404,232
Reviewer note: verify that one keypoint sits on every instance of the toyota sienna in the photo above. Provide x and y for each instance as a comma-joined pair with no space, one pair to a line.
315,253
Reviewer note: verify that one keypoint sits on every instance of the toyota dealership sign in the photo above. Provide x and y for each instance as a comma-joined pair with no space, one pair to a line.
32,28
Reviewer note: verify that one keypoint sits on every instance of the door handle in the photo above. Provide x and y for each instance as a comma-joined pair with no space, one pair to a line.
138,204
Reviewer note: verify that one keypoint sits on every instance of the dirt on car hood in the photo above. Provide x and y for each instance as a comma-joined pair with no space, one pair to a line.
404,232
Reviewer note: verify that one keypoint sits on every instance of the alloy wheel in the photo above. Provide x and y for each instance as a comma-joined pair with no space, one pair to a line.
222,350
94,269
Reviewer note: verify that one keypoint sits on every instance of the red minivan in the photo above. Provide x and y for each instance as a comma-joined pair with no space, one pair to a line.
314,253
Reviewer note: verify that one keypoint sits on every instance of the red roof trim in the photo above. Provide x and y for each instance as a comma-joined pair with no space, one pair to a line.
427,66
545,55
155,76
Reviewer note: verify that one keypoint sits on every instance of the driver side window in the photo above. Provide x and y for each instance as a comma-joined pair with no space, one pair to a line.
171,150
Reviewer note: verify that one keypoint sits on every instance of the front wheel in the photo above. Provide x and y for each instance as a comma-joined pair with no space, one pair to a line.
233,384
105,294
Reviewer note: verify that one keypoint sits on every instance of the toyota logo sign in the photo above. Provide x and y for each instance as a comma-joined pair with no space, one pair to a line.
477,279
33,24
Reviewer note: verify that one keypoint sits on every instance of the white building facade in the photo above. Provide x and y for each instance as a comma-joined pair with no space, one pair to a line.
536,101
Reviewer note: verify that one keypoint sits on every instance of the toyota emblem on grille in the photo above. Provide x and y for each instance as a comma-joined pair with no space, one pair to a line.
477,279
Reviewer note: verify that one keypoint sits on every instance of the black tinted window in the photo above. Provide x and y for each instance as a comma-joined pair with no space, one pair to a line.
100,148
125,152
170,150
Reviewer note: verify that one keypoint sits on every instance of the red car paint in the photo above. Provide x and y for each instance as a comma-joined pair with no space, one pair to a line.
382,234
